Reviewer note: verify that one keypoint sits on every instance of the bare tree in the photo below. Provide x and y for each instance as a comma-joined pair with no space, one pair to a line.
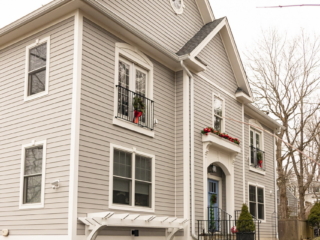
284,74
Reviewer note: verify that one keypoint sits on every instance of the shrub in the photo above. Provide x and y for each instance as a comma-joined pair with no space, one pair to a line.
245,222
314,216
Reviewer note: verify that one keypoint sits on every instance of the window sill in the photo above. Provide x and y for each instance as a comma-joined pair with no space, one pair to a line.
257,170
31,206
133,127
38,95
131,208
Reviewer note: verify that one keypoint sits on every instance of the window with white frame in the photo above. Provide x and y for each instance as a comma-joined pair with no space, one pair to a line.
37,69
256,202
32,174
132,179
134,106
256,153
218,109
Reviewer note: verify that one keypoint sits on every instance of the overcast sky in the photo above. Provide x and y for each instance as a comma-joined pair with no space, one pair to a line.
245,19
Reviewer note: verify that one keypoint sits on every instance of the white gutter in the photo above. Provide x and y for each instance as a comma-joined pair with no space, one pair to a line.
193,234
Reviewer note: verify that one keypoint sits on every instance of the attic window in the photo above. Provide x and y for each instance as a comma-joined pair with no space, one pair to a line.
177,6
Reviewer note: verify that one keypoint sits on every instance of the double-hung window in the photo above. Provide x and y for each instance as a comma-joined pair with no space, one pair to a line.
32,175
37,69
256,202
218,109
132,179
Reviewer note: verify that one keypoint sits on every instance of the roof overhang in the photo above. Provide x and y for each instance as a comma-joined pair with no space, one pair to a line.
97,221
205,11
261,117
243,97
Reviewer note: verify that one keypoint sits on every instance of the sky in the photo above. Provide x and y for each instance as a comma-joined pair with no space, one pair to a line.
246,20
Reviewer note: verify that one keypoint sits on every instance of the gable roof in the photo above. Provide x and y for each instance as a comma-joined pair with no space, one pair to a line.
199,37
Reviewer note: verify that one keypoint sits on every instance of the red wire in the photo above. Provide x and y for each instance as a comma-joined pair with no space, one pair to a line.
300,5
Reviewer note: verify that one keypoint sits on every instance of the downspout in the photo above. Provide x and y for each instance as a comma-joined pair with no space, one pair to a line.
193,234
275,183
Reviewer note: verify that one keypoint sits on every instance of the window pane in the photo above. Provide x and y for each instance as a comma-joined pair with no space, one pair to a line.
33,160
143,168
253,209
260,211
257,140
37,82
122,163
142,194
217,123
260,195
124,74
252,194
251,138
121,191
38,57
32,189
141,82
252,155
217,106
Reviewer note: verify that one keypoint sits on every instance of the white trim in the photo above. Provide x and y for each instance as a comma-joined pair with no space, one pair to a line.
211,35
133,127
186,155
243,98
36,237
42,143
75,127
257,170
219,180
26,77
264,199
132,55
205,11
221,143
111,160
177,10
243,156
215,85
275,182
223,125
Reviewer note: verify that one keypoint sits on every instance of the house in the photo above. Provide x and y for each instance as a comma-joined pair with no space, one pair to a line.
79,161
292,202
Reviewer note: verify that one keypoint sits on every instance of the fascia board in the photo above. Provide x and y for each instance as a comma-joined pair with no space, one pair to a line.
205,11
242,97
261,117
204,43
234,58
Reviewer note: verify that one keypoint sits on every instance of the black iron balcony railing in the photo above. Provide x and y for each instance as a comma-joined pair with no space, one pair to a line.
126,111
257,158
224,228
215,217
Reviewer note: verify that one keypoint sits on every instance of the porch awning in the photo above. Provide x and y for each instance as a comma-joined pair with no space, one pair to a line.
97,221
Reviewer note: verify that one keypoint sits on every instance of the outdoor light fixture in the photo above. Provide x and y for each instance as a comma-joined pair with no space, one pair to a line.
135,233
214,168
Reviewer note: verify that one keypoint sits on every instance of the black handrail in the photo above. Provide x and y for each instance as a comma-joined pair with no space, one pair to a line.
126,111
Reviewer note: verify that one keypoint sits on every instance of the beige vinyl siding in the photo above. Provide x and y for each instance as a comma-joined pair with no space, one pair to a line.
48,117
219,70
97,130
203,118
267,180
158,20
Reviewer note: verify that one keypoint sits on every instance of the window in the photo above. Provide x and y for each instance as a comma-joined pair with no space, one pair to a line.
32,175
37,69
256,201
132,177
134,106
218,109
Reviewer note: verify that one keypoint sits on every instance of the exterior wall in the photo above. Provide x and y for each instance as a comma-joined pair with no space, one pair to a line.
48,117
97,130
158,20
267,180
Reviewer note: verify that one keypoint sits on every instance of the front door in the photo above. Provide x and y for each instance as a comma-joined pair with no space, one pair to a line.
213,204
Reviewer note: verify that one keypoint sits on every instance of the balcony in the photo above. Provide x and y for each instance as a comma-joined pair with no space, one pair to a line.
126,111
257,158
